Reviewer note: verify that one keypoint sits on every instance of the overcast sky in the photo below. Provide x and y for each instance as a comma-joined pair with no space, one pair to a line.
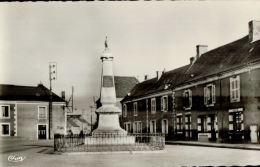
143,37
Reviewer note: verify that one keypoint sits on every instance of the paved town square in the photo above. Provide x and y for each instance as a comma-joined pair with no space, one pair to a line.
41,154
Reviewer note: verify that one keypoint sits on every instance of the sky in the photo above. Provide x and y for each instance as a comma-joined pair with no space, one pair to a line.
144,37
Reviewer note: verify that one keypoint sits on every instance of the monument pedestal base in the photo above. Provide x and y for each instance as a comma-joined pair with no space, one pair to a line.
108,122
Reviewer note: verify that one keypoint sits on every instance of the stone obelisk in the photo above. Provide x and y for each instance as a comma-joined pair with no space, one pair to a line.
108,113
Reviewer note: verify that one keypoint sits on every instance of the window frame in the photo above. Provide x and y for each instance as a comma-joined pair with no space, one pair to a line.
166,127
5,123
135,106
155,128
235,81
1,111
137,127
179,124
46,115
164,105
190,99
153,107
128,123
207,96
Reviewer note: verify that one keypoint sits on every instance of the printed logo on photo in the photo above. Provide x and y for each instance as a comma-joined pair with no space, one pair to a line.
16,158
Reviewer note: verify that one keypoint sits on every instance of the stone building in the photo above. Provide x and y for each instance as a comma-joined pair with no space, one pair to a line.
215,97
24,112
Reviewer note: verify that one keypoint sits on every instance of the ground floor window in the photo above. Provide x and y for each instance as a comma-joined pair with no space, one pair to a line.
188,126
165,126
5,129
153,126
202,124
179,123
137,127
236,121
127,126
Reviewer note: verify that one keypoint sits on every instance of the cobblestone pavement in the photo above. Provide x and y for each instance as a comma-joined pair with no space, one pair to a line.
41,155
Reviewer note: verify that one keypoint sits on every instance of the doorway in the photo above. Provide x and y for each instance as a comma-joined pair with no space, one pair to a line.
42,132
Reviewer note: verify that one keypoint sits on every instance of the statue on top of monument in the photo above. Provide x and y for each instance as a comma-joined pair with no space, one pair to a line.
106,45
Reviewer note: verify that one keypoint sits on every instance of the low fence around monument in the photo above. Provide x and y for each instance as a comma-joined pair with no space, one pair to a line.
108,142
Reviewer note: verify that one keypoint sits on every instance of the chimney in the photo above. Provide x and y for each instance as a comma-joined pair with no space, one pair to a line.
192,60
146,77
254,31
201,49
158,74
63,95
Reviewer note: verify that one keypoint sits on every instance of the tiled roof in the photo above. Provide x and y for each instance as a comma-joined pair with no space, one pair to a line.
225,58
165,82
228,57
27,93
123,85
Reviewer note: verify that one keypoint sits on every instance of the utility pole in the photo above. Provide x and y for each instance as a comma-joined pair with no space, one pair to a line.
52,76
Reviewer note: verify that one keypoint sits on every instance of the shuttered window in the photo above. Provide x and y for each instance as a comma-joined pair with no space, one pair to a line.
153,105
235,89
164,103
209,95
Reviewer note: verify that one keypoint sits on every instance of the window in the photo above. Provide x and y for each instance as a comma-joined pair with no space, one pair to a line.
188,126
179,123
209,95
165,126
153,105
152,126
5,111
164,103
42,112
236,120
137,127
5,129
127,126
235,89
202,124
187,99
135,108
124,110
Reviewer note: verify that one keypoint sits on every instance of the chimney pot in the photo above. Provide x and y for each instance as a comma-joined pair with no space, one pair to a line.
192,60
254,31
63,95
146,77
201,49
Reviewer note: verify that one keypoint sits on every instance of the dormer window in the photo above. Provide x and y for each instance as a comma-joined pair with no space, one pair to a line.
187,99
209,95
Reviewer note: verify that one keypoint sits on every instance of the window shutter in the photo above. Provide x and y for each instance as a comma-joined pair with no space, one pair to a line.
230,126
213,94
238,88
208,124
198,120
242,117
230,88
216,123
166,103
162,104
205,95
190,98
230,118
